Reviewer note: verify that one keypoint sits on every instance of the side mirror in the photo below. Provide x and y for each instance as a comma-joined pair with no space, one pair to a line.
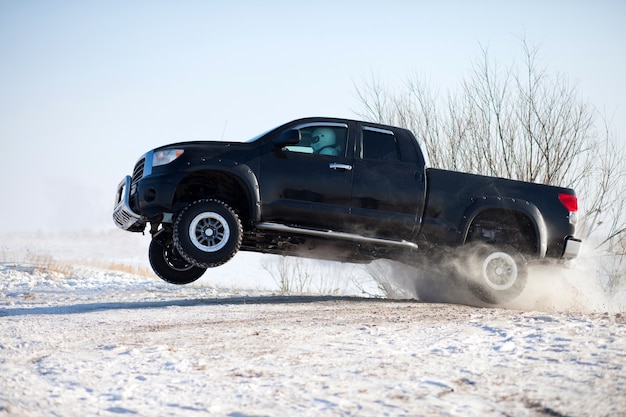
287,138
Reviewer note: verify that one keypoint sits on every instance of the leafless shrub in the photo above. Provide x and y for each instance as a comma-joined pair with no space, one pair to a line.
614,269
290,274
394,280
295,275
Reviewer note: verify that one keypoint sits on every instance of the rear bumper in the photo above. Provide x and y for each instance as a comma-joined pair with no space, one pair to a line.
123,216
572,248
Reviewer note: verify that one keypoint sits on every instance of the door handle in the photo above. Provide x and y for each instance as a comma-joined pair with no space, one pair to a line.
335,166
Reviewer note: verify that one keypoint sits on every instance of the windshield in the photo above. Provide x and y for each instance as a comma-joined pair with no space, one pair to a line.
257,137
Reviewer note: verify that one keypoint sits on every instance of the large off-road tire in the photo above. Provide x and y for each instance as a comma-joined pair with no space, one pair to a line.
497,273
169,265
207,233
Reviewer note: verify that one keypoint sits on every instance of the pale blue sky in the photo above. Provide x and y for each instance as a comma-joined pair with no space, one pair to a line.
87,86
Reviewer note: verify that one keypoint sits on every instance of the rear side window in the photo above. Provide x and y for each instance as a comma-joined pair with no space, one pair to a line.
380,144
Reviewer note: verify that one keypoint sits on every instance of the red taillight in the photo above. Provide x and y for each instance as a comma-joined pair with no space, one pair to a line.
570,201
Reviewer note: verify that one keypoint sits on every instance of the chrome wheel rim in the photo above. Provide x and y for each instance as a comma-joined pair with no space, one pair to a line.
209,232
499,271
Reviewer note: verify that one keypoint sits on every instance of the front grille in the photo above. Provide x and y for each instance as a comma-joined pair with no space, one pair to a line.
137,175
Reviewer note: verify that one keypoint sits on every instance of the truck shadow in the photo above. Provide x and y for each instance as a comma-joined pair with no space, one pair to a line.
84,308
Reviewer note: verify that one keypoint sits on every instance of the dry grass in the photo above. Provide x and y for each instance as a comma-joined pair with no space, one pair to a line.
140,270
37,261
47,264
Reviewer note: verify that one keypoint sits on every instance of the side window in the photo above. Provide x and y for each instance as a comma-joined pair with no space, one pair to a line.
322,140
381,145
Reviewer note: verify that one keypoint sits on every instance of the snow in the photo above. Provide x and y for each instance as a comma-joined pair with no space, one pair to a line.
86,329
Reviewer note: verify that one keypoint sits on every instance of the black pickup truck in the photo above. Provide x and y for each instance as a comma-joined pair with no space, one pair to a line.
343,190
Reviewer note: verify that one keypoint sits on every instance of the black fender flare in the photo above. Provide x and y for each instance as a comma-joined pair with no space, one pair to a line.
244,174
526,208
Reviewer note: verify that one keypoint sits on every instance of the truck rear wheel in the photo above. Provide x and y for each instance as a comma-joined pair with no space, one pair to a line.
498,272
168,263
208,233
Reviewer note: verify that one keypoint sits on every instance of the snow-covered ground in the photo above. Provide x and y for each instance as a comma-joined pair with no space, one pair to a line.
86,329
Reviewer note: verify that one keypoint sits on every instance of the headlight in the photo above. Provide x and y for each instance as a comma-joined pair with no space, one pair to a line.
165,156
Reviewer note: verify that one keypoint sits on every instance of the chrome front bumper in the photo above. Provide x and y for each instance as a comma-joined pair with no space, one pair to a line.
123,216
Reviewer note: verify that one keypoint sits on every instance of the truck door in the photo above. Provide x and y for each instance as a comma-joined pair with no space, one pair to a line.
309,183
388,188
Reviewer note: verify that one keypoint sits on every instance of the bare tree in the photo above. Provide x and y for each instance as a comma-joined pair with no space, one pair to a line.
521,122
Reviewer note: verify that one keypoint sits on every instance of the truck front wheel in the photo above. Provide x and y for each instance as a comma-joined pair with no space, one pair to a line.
169,265
498,272
207,233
